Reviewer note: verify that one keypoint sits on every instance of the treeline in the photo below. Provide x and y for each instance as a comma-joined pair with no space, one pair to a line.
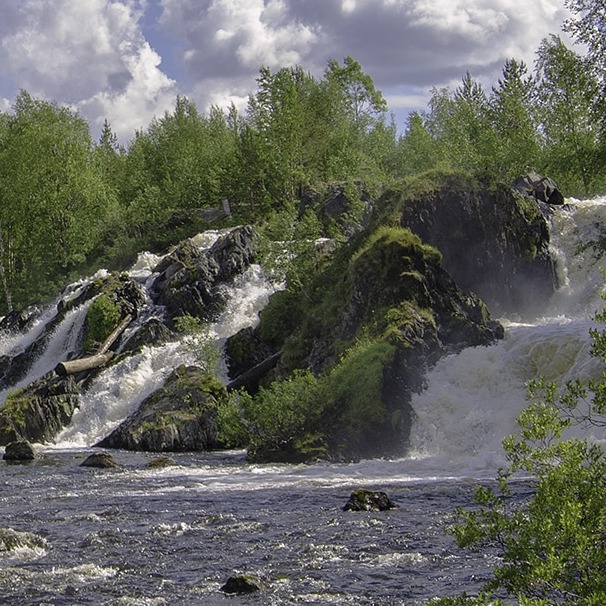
69,204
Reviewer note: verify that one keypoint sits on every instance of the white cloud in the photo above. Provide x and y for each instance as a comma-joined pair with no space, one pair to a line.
104,56
91,55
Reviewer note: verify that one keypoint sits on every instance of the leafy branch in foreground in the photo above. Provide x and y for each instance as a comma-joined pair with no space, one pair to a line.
552,545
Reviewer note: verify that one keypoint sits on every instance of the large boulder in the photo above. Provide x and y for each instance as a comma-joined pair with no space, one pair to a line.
21,450
179,417
382,318
39,411
493,242
189,278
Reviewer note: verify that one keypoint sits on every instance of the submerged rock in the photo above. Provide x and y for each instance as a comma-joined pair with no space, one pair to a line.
242,583
11,539
160,462
21,450
102,460
368,500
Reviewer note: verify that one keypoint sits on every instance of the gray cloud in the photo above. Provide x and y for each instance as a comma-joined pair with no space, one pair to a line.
104,56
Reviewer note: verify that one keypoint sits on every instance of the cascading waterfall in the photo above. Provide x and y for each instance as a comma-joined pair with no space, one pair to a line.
473,398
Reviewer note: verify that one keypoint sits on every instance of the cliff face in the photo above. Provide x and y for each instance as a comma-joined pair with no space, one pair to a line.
494,242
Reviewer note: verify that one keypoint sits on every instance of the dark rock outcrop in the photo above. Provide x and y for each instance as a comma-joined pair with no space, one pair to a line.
345,205
494,243
189,278
39,411
542,189
179,417
153,332
368,500
21,450
241,583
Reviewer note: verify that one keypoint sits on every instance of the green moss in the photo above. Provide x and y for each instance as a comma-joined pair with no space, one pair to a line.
103,316
385,236
406,323
355,385
14,412
280,317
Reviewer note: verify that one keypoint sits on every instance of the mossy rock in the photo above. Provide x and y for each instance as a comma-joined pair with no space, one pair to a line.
181,416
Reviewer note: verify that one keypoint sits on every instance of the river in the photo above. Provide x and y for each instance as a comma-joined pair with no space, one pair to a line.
142,536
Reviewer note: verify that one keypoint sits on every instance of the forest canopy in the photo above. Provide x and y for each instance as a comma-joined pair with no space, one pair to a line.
69,205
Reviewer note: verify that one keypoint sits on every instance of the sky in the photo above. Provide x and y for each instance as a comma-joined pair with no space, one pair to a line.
127,60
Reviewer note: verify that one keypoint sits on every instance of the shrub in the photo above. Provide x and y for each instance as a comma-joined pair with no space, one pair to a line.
552,545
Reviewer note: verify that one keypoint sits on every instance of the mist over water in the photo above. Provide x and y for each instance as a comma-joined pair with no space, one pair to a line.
473,398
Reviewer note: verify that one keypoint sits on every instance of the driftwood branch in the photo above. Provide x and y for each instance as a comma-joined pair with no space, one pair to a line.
103,355
254,374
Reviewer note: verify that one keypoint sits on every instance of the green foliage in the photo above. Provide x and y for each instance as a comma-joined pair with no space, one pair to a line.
355,386
288,248
551,544
200,341
405,238
101,319
280,421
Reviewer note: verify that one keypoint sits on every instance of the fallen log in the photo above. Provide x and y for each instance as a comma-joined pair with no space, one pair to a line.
71,367
103,355
115,334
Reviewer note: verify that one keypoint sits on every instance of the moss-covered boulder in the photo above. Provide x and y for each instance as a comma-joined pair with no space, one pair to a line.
39,411
375,321
179,417
494,241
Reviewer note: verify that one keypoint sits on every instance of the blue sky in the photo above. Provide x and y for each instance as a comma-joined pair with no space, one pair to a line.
127,60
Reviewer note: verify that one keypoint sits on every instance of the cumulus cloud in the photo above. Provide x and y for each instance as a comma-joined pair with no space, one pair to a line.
401,43
105,56
91,55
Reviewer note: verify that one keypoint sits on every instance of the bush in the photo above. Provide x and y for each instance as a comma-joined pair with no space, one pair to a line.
103,316
281,422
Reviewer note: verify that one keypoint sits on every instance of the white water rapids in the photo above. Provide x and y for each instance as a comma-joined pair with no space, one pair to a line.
472,398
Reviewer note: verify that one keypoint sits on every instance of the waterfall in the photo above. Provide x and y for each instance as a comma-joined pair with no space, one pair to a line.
119,389
473,398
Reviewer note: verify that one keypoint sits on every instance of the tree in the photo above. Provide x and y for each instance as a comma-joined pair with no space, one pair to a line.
552,545
511,108
362,101
54,205
565,95
418,151
462,125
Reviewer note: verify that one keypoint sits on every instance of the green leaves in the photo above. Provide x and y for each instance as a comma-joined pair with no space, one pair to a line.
552,544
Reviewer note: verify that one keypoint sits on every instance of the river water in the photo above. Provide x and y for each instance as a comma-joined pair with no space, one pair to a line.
142,536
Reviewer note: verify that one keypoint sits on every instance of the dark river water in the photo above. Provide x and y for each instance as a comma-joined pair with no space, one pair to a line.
143,536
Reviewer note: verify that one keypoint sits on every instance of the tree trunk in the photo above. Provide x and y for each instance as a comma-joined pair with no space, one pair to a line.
103,356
